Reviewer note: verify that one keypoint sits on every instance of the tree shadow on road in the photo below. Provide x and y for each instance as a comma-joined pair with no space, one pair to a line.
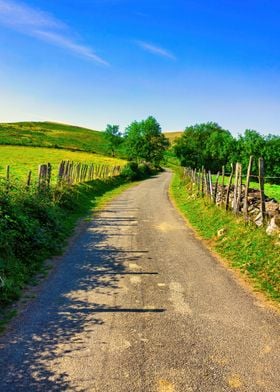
62,312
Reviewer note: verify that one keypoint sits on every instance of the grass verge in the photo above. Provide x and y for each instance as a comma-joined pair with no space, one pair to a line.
245,247
35,226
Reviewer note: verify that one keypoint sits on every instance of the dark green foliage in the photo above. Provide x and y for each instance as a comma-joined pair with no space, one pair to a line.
113,137
130,171
271,157
211,146
31,228
134,171
205,145
251,143
144,141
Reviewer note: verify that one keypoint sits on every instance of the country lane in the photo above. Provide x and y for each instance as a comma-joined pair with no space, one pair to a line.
137,303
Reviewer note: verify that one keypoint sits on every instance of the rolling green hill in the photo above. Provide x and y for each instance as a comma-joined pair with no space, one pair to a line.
53,135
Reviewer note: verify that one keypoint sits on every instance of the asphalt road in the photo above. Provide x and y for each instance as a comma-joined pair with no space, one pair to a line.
139,304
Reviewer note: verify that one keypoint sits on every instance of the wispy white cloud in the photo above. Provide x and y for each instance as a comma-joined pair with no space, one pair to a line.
44,26
19,15
156,50
64,42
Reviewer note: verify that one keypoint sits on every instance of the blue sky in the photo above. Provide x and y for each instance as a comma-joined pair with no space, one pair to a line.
93,62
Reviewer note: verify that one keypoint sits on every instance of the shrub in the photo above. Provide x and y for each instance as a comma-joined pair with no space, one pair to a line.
130,171
31,229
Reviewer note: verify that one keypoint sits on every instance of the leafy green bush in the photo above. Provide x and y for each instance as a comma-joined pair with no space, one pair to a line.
134,171
31,229
130,171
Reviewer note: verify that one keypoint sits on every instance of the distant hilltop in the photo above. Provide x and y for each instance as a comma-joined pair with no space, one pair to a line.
53,135
172,135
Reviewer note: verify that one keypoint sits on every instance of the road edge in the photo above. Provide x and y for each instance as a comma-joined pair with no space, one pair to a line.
241,279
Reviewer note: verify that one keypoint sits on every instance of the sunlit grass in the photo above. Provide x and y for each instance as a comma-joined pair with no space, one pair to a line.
22,159
47,134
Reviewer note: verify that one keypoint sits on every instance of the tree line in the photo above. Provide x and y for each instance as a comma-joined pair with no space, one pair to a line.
142,141
210,146
205,145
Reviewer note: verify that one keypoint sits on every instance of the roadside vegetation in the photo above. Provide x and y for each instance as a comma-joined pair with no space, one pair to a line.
244,246
210,146
36,222
34,225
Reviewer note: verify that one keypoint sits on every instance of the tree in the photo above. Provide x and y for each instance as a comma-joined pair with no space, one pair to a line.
220,150
205,144
252,143
113,137
211,146
145,142
271,155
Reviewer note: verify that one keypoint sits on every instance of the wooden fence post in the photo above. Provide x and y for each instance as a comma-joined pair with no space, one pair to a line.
7,178
61,172
261,183
210,184
191,180
66,171
28,182
202,181
42,177
229,186
236,187
78,173
239,188
8,173
39,175
49,174
216,188
247,185
223,185
198,182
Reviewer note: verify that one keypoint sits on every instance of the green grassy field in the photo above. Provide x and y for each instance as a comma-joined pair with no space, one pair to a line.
47,134
22,159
